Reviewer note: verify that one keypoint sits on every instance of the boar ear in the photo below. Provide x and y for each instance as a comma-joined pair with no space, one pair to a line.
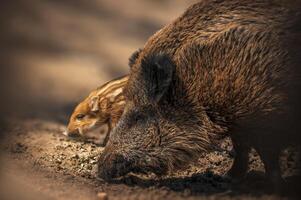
157,72
94,104
134,57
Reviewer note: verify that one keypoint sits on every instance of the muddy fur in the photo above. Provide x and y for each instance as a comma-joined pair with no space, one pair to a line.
222,68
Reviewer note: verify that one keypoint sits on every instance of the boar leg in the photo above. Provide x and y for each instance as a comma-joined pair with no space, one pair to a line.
105,141
240,165
270,158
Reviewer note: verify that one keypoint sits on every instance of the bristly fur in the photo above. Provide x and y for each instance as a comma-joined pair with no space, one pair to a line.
134,57
103,106
222,68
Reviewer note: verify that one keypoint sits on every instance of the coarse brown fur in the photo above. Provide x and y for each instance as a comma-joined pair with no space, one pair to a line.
222,68
103,106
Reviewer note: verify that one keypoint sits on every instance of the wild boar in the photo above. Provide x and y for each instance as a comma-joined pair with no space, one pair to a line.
222,68
103,106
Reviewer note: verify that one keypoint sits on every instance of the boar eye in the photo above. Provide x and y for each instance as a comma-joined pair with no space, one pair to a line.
139,118
80,116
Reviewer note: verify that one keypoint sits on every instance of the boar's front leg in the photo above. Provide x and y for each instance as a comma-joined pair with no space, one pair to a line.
240,165
105,141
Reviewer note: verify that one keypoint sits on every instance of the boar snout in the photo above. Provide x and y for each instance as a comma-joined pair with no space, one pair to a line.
112,166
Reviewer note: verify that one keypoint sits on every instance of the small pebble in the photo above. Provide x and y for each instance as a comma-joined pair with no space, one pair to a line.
102,196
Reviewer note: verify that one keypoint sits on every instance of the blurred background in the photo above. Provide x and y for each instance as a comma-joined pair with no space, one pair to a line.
54,52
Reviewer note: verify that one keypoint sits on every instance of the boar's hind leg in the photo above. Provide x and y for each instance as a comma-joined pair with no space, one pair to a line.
240,165
270,158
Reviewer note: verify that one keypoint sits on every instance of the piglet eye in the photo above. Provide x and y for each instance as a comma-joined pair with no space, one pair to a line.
80,116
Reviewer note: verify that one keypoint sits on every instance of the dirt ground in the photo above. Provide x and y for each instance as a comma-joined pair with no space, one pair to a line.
41,162
52,54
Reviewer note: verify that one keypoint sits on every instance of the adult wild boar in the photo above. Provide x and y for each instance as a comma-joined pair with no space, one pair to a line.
222,68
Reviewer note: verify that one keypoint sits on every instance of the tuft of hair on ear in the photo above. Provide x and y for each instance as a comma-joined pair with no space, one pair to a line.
157,72
134,57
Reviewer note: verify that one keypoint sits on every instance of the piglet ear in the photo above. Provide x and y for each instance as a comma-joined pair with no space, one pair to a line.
157,73
94,104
